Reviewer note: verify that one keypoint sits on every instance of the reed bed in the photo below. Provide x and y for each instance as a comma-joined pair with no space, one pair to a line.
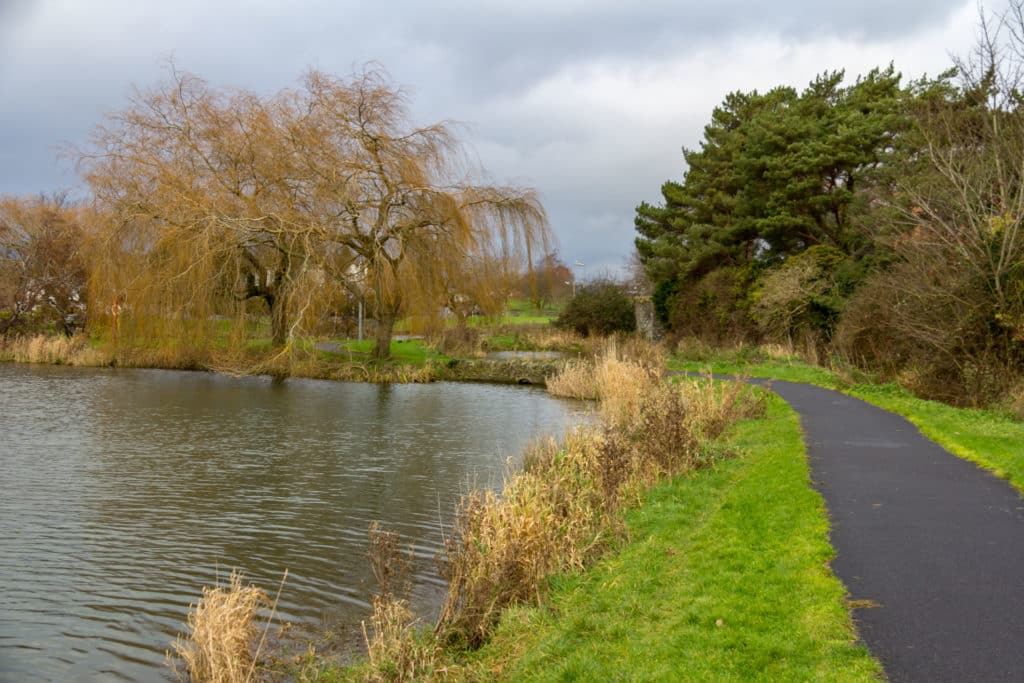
48,349
563,509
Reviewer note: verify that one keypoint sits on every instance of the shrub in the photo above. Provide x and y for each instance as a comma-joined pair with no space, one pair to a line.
934,327
599,308
801,298
715,308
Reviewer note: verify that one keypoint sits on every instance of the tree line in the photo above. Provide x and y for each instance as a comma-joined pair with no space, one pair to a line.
878,220
211,208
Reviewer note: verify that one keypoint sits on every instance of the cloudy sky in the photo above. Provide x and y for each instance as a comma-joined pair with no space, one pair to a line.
589,101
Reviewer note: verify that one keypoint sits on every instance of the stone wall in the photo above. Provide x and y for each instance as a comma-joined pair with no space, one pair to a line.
647,324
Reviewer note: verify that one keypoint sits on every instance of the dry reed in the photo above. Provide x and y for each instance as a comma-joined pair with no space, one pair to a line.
574,380
222,646
391,567
399,649
564,507
47,349
549,518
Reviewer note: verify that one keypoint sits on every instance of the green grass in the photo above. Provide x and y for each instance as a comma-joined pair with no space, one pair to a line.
726,578
987,438
405,352
521,312
787,369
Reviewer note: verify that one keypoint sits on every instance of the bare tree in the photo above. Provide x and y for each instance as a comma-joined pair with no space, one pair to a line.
960,283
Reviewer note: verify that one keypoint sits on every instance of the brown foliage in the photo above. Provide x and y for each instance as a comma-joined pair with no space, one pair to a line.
948,317
42,267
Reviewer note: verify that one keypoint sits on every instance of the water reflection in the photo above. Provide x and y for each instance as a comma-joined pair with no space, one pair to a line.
125,491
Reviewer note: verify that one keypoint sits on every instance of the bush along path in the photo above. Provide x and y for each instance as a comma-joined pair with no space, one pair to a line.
930,548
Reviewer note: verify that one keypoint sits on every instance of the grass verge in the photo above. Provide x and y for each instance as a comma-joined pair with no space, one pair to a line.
726,578
987,438
720,573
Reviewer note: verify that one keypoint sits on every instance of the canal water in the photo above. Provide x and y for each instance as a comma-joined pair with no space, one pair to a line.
123,492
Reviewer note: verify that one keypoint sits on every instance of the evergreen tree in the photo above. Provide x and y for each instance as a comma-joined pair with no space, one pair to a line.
775,174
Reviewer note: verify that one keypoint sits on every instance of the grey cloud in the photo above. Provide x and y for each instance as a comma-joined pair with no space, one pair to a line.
497,48
63,65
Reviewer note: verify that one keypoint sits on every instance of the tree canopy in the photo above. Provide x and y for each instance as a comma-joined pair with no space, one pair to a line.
880,221
775,174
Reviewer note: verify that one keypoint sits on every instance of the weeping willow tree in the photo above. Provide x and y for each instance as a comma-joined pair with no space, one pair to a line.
205,210
214,199
401,199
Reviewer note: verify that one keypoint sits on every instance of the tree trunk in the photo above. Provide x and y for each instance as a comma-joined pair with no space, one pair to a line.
278,321
382,345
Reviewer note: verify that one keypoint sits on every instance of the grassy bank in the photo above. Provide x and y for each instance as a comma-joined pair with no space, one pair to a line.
412,360
557,516
725,578
989,438
719,573
451,353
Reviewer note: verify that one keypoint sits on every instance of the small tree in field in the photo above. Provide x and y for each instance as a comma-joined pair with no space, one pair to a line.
599,308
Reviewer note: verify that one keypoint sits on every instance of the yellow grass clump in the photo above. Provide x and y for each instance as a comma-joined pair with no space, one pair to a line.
42,348
575,380
399,649
221,646
623,367
549,518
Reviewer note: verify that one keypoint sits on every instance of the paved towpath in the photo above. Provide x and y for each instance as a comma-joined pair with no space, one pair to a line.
936,543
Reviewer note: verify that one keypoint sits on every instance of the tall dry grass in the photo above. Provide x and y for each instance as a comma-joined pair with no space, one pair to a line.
563,509
575,380
620,365
398,646
51,350
550,517
223,644
541,337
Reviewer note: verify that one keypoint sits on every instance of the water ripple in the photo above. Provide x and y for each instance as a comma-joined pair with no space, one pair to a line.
124,492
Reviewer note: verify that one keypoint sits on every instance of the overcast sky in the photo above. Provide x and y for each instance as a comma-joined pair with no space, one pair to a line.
589,101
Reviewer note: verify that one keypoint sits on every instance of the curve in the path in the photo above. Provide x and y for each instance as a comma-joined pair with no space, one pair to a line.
932,543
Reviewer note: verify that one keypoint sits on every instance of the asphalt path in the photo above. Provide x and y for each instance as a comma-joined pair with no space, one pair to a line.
929,546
